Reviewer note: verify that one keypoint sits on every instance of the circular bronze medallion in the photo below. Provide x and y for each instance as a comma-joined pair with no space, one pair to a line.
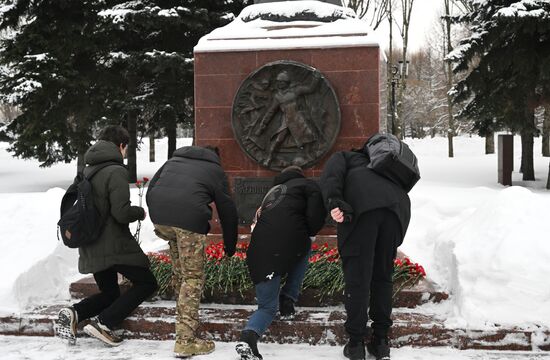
286,113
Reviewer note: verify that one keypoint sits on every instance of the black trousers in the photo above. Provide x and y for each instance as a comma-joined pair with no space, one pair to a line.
112,307
368,276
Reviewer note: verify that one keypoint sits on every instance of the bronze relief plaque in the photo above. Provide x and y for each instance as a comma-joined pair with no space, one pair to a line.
286,113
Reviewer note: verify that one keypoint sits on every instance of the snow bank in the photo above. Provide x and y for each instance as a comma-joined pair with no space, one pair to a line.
486,244
499,260
29,238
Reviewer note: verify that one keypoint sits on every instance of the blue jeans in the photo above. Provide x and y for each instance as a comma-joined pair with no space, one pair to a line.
267,295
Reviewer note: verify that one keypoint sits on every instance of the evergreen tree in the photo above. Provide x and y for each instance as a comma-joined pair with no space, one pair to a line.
508,59
48,72
151,45
79,65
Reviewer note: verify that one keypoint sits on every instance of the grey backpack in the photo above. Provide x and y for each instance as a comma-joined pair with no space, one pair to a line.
393,159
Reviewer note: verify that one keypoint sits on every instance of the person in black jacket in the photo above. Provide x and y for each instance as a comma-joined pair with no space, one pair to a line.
373,215
290,214
179,198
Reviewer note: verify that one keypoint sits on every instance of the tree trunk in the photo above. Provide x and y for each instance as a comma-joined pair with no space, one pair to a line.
546,132
490,143
132,146
80,163
451,129
527,159
391,85
152,146
171,131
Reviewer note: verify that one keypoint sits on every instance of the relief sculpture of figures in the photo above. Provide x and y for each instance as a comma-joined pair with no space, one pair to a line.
286,113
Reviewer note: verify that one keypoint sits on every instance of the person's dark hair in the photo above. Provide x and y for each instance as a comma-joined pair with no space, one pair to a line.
213,148
294,168
115,134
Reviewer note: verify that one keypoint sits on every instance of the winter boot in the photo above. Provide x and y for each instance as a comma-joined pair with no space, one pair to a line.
379,348
286,307
247,347
192,347
102,332
355,350
65,325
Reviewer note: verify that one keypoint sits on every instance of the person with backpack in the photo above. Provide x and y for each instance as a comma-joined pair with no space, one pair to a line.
114,251
372,214
290,214
179,198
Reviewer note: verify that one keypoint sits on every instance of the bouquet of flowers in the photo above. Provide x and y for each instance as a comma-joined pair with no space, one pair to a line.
140,184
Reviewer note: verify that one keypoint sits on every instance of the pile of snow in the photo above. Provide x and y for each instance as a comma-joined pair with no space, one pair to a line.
486,244
261,27
291,10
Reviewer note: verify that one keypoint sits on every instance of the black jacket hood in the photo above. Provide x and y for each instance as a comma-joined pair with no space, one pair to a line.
103,151
198,153
286,176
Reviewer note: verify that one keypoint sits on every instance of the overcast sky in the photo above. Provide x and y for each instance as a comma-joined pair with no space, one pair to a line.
425,14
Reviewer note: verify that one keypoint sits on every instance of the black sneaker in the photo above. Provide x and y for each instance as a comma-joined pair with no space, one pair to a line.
379,348
64,326
286,307
355,350
247,347
101,332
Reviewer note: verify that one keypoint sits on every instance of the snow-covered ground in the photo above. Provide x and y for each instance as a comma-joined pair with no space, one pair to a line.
484,243
20,348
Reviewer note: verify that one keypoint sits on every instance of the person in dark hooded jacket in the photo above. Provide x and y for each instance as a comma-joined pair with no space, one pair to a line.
290,214
115,252
373,215
179,198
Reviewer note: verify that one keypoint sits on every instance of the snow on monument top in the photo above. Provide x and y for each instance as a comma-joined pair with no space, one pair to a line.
290,25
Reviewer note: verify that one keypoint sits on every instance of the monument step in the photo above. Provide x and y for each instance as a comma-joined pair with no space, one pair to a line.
313,326
422,293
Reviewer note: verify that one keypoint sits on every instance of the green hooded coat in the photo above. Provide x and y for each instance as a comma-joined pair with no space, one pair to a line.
116,245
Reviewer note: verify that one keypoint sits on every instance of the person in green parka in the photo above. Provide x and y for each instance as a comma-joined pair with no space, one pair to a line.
115,252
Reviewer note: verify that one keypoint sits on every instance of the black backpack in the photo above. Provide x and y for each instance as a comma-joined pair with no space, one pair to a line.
393,159
81,223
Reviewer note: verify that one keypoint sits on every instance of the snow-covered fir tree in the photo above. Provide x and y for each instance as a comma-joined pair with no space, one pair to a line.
47,70
72,66
507,57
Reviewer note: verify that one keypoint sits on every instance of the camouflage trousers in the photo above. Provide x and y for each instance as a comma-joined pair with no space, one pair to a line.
188,261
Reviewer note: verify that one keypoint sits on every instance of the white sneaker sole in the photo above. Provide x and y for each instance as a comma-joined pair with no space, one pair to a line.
93,332
245,352
64,327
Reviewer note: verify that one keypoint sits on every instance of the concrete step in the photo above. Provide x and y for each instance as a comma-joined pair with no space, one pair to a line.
311,325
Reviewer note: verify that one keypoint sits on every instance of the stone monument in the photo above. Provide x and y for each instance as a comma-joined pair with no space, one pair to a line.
285,83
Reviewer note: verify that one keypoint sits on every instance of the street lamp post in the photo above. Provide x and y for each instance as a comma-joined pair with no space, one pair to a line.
398,74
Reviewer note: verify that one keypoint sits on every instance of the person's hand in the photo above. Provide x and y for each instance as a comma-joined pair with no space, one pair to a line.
337,215
144,214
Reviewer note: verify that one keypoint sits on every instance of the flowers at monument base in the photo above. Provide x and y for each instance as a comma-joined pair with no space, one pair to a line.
224,275
161,267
